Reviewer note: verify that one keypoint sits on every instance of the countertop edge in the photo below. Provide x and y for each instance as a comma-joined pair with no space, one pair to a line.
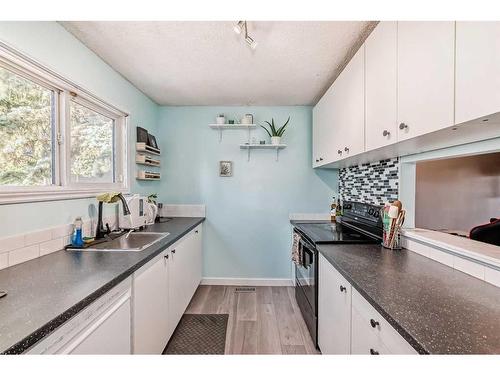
404,333
49,327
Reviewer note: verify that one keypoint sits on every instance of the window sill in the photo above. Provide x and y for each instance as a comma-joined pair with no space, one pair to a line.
53,195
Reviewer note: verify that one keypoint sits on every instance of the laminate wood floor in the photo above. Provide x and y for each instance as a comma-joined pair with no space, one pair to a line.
264,321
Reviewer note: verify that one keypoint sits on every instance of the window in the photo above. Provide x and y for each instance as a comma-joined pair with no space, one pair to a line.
56,140
92,139
26,131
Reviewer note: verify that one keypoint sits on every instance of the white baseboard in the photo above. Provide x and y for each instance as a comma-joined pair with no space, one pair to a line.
245,282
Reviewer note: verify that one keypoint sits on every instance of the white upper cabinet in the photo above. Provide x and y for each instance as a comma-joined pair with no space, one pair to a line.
322,129
338,118
477,70
381,86
426,53
350,107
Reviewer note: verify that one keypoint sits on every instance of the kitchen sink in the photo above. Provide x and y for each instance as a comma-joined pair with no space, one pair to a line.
133,241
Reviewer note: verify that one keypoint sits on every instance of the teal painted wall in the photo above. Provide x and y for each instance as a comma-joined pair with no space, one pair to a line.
51,45
247,231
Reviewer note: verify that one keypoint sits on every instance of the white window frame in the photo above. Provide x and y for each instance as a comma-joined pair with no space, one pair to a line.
65,92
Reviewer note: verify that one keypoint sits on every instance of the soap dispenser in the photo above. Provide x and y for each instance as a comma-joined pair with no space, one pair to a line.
77,237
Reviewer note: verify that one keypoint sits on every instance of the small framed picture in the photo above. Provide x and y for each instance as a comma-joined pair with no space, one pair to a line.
152,141
225,168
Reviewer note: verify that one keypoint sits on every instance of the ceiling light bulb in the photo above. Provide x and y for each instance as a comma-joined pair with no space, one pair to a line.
238,28
252,43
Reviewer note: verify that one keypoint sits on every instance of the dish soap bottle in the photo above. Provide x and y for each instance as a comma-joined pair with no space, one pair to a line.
339,208
77,238
333,210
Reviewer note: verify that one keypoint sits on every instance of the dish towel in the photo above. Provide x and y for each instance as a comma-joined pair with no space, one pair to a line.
296,253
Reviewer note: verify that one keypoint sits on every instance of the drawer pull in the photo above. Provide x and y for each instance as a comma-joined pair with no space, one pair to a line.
166,256
173,251
403,126
343,288
374,352
374,323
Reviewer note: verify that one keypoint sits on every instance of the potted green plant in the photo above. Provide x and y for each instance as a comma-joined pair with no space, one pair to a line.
274,133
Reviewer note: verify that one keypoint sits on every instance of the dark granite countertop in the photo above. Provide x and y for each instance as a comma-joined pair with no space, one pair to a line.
46,292
437,309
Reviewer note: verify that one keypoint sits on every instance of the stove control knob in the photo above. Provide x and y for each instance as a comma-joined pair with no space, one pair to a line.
376,214
371,211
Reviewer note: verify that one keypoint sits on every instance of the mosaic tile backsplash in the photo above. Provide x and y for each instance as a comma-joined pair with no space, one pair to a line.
373,183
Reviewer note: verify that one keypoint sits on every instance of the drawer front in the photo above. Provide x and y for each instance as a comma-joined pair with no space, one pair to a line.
376,324
363,340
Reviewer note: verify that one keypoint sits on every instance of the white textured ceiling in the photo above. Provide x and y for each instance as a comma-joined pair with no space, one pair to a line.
207,63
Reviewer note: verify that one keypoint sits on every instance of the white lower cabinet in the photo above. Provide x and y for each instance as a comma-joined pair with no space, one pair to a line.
334,310
151,315
184,274
103,327
349,324
162,291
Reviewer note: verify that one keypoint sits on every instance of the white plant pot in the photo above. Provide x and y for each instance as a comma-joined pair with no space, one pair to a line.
275,140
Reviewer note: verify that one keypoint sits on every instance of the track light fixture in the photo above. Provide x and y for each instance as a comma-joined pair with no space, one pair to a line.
240,27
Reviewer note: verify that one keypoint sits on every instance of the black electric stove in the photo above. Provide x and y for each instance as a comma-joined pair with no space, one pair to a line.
359,224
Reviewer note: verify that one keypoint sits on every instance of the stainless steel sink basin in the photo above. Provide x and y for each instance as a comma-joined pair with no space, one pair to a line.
134,241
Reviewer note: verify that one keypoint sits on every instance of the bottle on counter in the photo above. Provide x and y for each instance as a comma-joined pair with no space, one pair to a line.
333,211
338,208
77,237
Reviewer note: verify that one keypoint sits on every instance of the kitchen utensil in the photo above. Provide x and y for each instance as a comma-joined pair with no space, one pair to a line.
398,204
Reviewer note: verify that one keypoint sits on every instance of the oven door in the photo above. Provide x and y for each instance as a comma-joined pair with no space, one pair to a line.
306,274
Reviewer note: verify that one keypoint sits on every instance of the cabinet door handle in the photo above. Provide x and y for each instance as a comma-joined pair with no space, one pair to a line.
374,323
339,152
386,133
346,149
403,126
195,231
173,251
317,160
374,352
166,256
320,159
343,288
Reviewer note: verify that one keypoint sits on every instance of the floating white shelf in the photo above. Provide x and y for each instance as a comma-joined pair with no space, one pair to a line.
143,159
148,164
148,176
221,127
261,147
142,147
